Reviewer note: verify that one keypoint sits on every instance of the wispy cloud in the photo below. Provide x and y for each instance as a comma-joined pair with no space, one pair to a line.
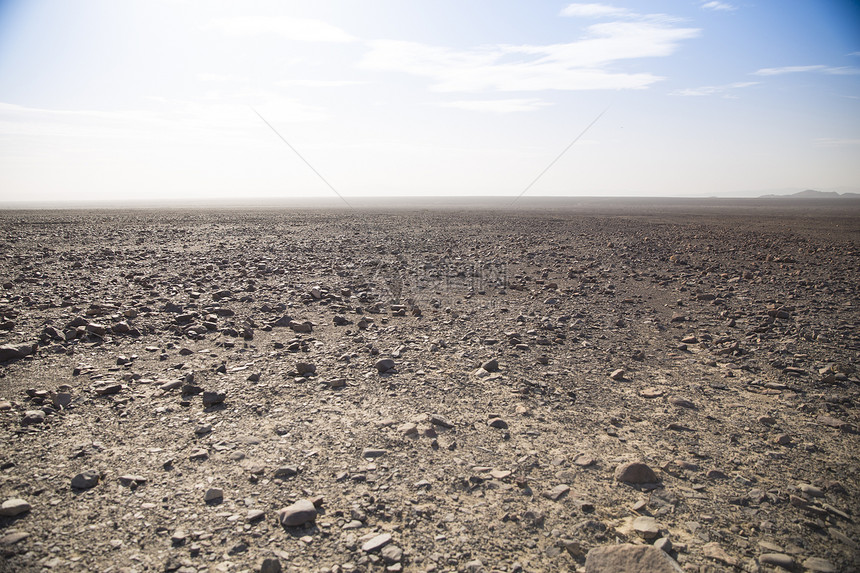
819,68
585,64
836,142
305,83
592,10
719,6
193,120
298,29
218,78
722,90
498,105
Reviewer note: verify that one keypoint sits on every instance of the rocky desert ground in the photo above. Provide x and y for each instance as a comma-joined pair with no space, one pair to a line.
605,386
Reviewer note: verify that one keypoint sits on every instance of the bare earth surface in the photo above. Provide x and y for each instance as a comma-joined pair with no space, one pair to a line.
431,389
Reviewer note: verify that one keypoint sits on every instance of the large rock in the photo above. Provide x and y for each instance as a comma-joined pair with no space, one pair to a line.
635,472
298,514
16,351
627,558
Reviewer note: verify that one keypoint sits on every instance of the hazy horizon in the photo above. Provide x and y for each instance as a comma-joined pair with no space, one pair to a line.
157,101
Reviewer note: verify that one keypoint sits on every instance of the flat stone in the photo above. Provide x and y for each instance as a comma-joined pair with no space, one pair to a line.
298,513
33,417
651,393
636,473
628,558
14,537
557,492
820,565
834,422
646,527
497,423
714,550
213,494
778,559
681,402
373,452
392,554
86,480
107,389
286,471
14,506
376,543
254,515
439,420
15,351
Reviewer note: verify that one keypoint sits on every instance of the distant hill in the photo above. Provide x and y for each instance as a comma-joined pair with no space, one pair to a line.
814,194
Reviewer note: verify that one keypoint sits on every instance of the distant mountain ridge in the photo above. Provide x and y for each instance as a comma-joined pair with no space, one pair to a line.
814,194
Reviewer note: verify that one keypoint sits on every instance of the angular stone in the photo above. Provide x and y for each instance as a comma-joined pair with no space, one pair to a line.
491,365
33,417
392,554
13,507
557,492
211,398
714,550
384,365
617,375
635,472
16,351
286,471
271,565
298,513
213,494
305,368
86,480
646,527
628,558
376,543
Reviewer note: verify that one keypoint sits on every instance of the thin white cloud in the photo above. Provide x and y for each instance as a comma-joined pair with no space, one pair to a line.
719,6
723,90
836,142
298,29
820,68
189,119
592,10
218,78
586,64
498,105
318,83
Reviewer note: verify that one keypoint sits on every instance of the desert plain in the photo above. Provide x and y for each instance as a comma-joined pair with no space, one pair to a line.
557,385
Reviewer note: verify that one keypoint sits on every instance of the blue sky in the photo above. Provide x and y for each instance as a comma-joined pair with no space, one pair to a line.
155,99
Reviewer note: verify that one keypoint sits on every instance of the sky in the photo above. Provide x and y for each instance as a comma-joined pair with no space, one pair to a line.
181,99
